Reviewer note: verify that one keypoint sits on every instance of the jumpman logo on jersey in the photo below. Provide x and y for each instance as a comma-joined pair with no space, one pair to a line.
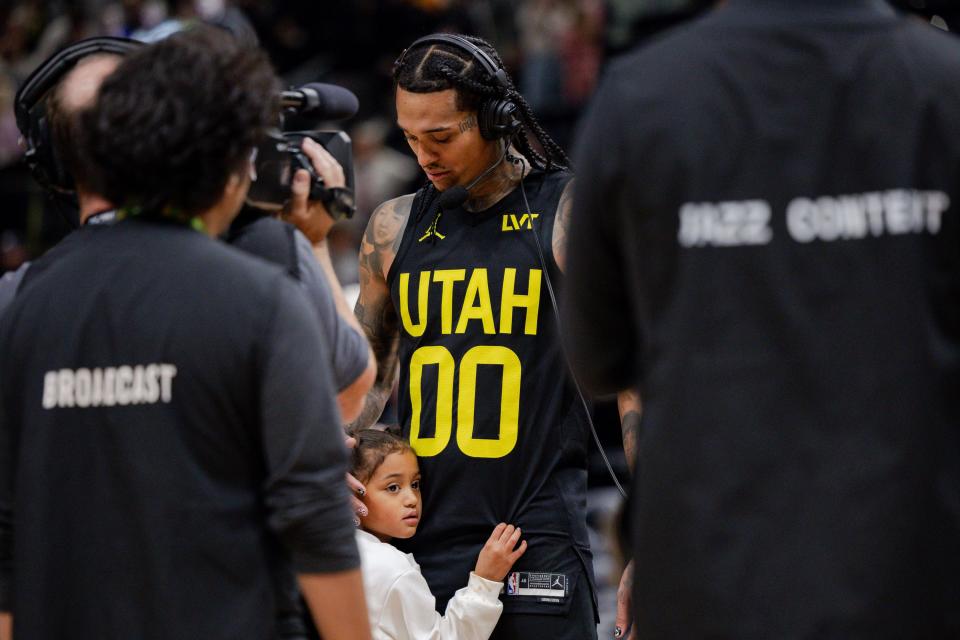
557,582
432,229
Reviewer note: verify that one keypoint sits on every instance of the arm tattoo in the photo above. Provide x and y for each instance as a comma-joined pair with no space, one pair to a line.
560,225
379,322
628,403
630,427
374,309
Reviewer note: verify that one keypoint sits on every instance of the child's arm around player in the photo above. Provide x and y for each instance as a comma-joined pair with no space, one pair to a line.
399,601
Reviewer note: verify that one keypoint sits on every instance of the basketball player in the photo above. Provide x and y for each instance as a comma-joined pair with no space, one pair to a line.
454,298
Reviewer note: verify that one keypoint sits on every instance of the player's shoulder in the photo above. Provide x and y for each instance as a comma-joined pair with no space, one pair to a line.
400,205
561,179
546,187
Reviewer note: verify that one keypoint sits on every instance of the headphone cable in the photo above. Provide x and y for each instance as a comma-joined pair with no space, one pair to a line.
573,377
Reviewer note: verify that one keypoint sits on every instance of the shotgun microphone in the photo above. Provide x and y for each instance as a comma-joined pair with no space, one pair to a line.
323,101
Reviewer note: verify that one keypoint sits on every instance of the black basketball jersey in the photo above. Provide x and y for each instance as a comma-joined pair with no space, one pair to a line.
484,395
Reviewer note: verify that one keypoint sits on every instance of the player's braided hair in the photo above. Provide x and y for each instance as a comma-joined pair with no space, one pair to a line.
434,67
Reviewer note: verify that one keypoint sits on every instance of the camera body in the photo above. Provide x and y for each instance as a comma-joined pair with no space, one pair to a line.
280,155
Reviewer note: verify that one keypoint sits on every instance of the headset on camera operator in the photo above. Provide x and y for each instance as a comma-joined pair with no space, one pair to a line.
48,108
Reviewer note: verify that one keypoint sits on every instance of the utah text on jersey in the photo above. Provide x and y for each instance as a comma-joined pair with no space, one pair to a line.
477,305
108,386
518,315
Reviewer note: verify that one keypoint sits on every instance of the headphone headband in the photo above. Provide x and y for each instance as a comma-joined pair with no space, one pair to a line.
30,107
50,72
489,65
497,116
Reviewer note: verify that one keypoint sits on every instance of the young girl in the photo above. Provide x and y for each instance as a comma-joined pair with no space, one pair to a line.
399,601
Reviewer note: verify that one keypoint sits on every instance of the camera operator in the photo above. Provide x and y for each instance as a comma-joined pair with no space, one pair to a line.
175,444
298,243
302,250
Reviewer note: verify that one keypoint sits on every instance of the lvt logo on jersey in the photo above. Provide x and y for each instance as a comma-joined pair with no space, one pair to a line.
513,223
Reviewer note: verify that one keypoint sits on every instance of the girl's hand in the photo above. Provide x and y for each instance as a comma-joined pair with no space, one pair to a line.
500,552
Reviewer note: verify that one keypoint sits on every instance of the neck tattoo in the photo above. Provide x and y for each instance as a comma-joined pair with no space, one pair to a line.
501,181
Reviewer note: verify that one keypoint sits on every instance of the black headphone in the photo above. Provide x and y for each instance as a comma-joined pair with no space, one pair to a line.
496,117
30,105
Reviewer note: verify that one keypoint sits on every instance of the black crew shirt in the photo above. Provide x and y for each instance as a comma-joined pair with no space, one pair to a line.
283,244
765,240
8,285
169,440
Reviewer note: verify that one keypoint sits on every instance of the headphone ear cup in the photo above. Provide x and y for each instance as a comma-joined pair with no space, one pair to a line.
498,119
46,169
40,158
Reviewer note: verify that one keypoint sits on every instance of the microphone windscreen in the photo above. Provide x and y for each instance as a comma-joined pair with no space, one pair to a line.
328,101
453,197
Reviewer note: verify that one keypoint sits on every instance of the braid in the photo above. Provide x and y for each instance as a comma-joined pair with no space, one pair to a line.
520,137
555,153
470,85
531,154
440,66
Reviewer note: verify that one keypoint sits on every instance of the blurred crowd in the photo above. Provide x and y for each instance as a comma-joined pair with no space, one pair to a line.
553,48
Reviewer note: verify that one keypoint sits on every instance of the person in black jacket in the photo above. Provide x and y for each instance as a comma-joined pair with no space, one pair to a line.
764,238
169,439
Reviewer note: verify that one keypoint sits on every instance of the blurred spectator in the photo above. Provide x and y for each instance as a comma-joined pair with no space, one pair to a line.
582,52
158,22
381,172
12,252
554,44
9,149
543,25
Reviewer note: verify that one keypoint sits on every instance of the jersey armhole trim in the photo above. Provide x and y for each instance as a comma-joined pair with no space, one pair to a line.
405,241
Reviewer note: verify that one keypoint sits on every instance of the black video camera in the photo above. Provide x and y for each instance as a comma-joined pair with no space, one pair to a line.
280,155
